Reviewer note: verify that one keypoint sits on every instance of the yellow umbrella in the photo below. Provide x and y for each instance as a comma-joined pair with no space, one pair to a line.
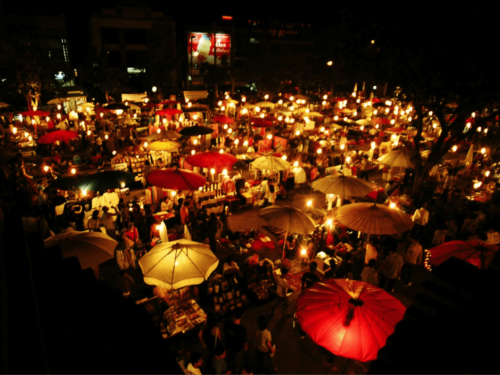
265,104
373,218
163,146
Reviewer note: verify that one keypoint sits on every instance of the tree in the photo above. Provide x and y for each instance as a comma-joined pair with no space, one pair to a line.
27,68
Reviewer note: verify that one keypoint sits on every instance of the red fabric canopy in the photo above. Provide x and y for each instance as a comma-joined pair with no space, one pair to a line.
260,123
375,100
470,251
35,113
178,179
168,112
395,130
212,159
58,135
223,119
351,319
379,120
170,102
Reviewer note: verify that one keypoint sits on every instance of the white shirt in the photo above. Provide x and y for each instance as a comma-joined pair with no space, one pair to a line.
371,253
282,285
421,216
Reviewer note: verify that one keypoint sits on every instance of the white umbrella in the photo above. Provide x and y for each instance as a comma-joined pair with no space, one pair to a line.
343,186
271,163
470,156
177,264
396,158
91,248
265,105
127,120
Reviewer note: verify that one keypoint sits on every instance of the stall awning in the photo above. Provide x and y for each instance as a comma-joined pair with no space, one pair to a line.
134,97
195,95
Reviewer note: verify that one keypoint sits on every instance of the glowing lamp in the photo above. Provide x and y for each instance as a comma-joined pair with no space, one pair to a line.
430,113
173,193
195,142
473,114
243,99
244,111
297,133
485,130
298,101
200,188
119,112
348,159
454,148
224,172
261,115
335,118
102,115
137,156
158,131
269,136
358,100
303,252
322,129
212,171
375,112
392,205
434,125
58,107
487,173
291,98
135,115
245,143
221,151
280,118
145,144
220,103
257,109
14,130
483,151
236,141
319,151
377,126
409,119
187,100
193,152
46,168
190,104
84,192
227,97
26,134
114,152
73,170
280,101
266,96
47,118
295,163
355,113
373,145
89,133
479,129
284,157
393,137
292,120
30,138
329,63
342,146
229,131
309,203
325,96
387,110
324,102
362,128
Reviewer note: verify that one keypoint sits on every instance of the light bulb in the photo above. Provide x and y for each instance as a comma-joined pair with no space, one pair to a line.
473,114
158,131
261,115
324,102
487,173
212,171
137,156
280,101
303,252
221,151
229,131
319,151
123,185
335,118
225,126
195,142
309,203
236,141
322,129
377,126
348,159
375,112
454,148
329,222
73,170
89,133
325,96
479,129
292,108
193,152
269,136
257,109
280,118
30,138
243,99
84,192
191,104
106,136
373,145
297,133
200,188
47,118
485,130
14,130
284,157
292,120
362,128
58,107
245,143
483,151
295,163
224,172
102,115
266,96
430,113
46,168
145,144
387,110
174,193
409,119
392,205
187,100
114,152
291,98
164,121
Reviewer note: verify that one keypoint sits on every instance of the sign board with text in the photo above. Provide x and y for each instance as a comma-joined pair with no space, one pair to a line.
201,47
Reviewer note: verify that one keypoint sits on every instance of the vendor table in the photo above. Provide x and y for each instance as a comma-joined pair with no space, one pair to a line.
203,194
163,215
216,210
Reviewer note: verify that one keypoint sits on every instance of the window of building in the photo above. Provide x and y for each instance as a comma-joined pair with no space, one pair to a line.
135,36
114,59
65,50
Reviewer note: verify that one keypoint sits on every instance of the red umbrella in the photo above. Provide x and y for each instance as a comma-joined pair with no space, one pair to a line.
395,130
379,120
351,319
170,102
223,119
35,113
260,123
58,135
168,112
375,100
337,99
212,159
478,253
178,179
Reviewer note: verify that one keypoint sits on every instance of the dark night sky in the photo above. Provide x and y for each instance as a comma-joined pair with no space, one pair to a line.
452,23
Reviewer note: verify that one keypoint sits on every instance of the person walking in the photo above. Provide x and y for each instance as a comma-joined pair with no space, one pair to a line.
390,270
365,168
236,341
414,256
107,221
264,347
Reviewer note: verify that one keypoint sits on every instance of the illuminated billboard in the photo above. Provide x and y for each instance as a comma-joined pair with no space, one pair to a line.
201,48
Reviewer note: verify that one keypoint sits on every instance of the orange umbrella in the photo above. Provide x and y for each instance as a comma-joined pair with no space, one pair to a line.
478,253
223,119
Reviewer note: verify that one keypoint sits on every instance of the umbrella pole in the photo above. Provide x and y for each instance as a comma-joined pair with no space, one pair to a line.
284,244
345,365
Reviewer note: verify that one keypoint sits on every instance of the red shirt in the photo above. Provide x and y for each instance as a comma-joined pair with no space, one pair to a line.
133,235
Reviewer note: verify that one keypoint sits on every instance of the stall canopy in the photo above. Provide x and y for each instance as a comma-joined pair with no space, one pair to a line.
196,95
134,97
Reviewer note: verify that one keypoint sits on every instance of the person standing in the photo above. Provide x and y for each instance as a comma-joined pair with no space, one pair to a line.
371,250
107,221
369,274
236,340
219,365
193,368
213,225
365,168
390,270
414,255
94,224
264,347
